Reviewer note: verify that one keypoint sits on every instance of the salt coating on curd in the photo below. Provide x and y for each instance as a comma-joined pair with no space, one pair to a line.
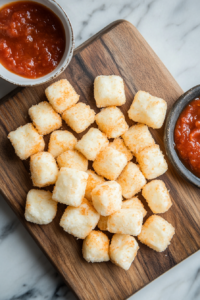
152,162
107,198
44,118
109,91
157,196
138,137
70,187
92,182
61,141
126,221
109,163
131,180
123,250
44,170
111,121
92,143
80,221
156,233
40,208
61,95
26,141
96,247
118,144
79,117
148,110
72,159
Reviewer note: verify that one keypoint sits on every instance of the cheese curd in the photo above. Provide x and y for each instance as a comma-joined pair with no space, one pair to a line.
44,170
96,247
80,221
137,138
26,141
157,196
92,143
134,203
61,141
40,208
156,233
107,198
123,250
102,224
126,221
72,159
112,122
79,117
152,162
118,144
92,182
61,95
131,180
44,118
148,110
109,163
70,187
109,90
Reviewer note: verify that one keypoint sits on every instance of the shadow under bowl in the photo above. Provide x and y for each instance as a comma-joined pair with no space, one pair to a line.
171,120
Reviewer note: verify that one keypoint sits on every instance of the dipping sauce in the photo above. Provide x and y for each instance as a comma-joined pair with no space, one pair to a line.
187,136
32,39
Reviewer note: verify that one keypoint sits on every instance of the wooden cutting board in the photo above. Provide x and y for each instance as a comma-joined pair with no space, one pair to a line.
118,49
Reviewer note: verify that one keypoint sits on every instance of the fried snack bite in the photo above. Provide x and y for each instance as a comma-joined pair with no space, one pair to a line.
131,180
72,159
44,118
134,203
70,187
109,163
152,162
118,144
40,208
61,95
80,221
102,224
92,182
148,110
126,221
112,122
61,141
79,117
157,196
138,137
96,247
156,233
123,250
92,143
107,198
26,141
109,91
44,170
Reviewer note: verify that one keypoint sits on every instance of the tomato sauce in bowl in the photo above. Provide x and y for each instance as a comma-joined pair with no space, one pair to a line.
32,39
187,136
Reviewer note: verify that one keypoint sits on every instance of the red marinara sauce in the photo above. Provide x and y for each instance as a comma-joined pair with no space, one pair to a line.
187,136
32,39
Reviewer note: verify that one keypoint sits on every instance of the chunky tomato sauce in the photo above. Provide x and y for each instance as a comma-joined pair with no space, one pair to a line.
187,136
32,39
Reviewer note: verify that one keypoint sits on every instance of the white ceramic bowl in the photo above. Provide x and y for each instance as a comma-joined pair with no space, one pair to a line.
67,56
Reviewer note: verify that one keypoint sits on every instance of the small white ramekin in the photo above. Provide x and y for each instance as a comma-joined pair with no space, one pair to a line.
67,56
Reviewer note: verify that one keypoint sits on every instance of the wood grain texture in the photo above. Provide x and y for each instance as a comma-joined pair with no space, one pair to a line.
120,50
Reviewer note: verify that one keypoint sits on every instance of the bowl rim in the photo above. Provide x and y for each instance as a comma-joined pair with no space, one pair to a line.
170,124
65,63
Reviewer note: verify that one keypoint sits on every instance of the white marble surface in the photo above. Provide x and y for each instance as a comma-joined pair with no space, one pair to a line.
172,28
